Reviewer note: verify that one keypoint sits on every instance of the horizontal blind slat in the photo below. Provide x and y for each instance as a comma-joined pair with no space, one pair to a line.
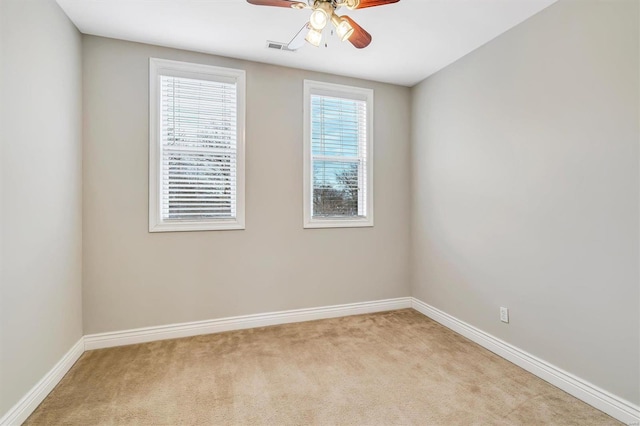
202,151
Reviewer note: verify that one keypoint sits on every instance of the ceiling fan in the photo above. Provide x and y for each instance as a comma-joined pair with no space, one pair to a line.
324,11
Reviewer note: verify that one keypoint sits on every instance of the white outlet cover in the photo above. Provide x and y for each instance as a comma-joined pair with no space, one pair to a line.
504,314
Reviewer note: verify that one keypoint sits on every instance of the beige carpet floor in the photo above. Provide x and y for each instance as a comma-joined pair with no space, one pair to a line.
389,368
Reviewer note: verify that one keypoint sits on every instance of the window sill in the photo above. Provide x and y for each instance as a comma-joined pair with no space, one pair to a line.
182,226
338,223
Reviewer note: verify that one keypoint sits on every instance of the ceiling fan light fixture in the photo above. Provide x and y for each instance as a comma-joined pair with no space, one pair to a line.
344,29
323,11
314,37
319,19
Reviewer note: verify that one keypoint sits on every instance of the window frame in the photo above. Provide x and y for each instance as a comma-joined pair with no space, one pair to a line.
164,67
346,92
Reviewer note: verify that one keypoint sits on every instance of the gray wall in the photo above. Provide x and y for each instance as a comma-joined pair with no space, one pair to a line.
525,190
132,278
41,189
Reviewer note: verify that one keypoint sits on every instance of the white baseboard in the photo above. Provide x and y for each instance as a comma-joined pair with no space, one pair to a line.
174,331
23,409
616,407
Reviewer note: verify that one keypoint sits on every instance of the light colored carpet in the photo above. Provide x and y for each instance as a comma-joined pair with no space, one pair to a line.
388,368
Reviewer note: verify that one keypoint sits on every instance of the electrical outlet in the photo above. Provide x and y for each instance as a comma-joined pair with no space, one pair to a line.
504,314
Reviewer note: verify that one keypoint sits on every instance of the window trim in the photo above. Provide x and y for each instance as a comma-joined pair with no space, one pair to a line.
157,68
348,92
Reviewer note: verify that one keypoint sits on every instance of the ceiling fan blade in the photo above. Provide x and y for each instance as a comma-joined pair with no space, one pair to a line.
360,37
279,3
298,40
371,3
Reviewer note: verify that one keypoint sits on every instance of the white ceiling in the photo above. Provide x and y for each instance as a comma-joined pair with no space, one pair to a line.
412,39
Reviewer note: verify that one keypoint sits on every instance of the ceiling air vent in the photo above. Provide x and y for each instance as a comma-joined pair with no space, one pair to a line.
279,46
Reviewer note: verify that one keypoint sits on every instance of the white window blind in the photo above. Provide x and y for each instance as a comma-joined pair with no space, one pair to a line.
198,149
338,168
196,155
339,156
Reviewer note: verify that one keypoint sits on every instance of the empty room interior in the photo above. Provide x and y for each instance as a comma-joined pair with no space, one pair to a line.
363,212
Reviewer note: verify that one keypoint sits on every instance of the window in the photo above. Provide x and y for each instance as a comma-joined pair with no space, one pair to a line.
196,147
338,157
